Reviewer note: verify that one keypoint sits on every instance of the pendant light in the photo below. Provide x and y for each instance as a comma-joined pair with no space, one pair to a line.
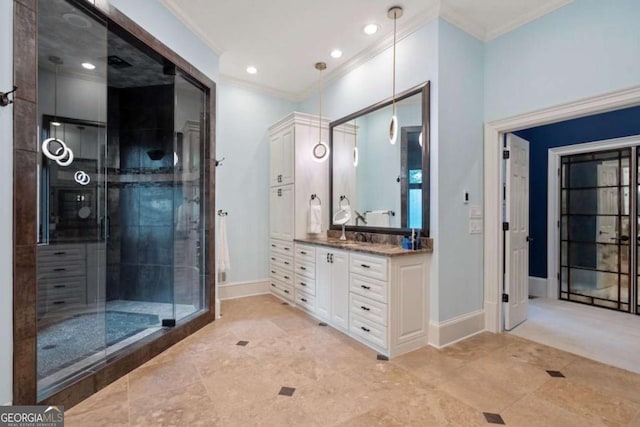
355,144
394,13
320,151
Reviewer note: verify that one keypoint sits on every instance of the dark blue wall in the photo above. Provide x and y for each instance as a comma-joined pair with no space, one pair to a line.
599,127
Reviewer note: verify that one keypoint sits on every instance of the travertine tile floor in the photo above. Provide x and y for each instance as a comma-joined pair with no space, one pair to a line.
209,380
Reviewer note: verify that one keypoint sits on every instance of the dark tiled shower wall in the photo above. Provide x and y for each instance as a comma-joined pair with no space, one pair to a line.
140,254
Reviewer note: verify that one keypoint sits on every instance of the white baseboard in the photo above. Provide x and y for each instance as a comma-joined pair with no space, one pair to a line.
243,289
442,334
491,321
7,404
538,287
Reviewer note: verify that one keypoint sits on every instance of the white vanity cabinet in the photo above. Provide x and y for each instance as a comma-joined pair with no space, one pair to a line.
380,300
332,287
293,178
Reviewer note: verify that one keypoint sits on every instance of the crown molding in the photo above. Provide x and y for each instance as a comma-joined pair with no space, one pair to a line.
460,20
525,19
256,87
411,26
191,26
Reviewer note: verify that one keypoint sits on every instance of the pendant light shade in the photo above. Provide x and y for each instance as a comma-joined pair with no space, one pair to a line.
355,145
320,151
394,13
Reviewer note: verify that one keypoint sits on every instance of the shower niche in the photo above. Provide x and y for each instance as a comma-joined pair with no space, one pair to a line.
121,212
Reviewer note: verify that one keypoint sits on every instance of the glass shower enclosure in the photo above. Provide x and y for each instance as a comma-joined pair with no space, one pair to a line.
120,194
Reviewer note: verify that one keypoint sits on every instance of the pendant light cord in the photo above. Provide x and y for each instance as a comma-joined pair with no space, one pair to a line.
395,20
55,101
320,113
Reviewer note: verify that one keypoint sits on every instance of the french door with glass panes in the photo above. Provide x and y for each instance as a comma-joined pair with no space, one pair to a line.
598,242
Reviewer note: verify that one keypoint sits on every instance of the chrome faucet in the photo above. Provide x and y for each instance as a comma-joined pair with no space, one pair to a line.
359,217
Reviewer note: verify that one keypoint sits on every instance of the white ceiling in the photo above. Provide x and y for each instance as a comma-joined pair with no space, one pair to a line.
285,38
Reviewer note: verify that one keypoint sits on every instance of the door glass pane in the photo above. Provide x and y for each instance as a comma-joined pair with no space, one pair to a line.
595,229
71,252
190,126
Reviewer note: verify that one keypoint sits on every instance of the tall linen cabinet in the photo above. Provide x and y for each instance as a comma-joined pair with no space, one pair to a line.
293,177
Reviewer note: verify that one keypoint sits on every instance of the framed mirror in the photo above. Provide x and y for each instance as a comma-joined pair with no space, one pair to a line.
386,185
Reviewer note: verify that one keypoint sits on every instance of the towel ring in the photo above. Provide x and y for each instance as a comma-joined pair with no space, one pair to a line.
315,197
343,198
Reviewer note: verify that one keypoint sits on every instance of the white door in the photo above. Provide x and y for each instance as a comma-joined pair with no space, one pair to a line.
516,238
281,212
323,284
339,290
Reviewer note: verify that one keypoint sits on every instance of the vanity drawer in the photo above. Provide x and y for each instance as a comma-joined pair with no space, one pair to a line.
282,247
281,290
61,253
285,277
305,253
370,288
368,266
76,284
60,303
305,301
369,331
369,309
281,261
54,270
306,269
305,285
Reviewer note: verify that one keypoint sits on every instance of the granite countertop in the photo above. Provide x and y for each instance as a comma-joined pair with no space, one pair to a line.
383,249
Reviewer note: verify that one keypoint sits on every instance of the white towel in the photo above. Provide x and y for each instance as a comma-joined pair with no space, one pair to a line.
223,247
379,218
314,220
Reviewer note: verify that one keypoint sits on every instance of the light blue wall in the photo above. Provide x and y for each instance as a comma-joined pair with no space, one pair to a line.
243,180
586,48
6,215
460,156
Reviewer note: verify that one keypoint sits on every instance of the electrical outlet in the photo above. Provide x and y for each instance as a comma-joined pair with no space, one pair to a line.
475,212
475,226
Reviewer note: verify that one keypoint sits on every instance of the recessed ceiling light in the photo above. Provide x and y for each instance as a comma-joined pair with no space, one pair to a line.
371,29
336,53
251,69
88,66
56,124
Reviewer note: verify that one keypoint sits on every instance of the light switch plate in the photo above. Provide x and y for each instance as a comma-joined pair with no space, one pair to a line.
475,226
475,212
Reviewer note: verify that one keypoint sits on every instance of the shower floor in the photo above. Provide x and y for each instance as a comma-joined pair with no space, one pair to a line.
72,345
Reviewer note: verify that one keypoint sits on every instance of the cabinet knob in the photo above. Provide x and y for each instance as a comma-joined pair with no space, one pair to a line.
286,277
303,284
286,249
286,263
286,291
273,285
273,272
303,299
273,259
303,268
365,329
303,253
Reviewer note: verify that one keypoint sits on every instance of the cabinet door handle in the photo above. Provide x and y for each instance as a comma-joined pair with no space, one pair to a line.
60,286
327,257
365,308
331,258
287,249
273,259
303,284
273,246
59,253
287,277
303,253
59,269
365,266
286,263
303,268
286,291
303,299
365,287
273,272
365,329
58,302
273,285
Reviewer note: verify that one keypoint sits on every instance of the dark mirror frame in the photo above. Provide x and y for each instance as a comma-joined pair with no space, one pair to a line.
425,90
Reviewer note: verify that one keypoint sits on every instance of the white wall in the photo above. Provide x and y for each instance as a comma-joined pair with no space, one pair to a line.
77,98
460,159
586,48
6,207
243,120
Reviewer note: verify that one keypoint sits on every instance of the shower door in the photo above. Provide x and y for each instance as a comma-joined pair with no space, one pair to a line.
595,229
72,226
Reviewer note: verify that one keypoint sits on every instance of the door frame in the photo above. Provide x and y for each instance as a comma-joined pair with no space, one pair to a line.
493,179
553,198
